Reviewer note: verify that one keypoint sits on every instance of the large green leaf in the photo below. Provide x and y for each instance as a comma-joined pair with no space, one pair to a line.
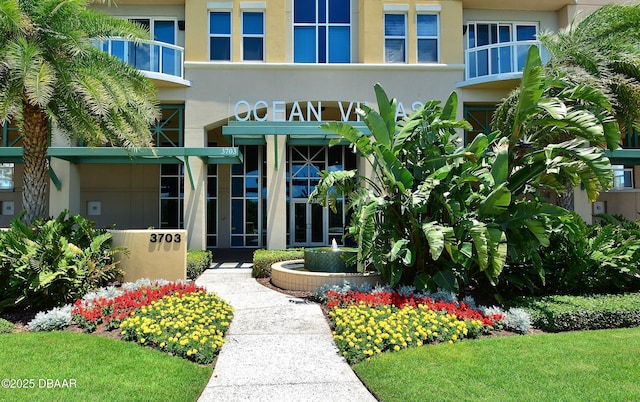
387,114
436,235
399,173
351,134
531,88
500,165
446,280
496,202
480,239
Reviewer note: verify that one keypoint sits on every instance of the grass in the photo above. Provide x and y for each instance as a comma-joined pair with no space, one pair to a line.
103,369
572,366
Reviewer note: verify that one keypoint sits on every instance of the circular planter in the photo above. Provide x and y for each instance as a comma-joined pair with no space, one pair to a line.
292,275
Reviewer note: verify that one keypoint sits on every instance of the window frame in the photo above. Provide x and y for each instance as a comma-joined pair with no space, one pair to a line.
212,35
404,37
260,36
436,37
326,26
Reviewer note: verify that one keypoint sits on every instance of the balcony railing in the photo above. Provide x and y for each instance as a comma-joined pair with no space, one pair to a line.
490,61
158,60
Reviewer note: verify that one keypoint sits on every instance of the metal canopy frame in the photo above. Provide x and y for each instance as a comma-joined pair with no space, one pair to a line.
116,155
298,132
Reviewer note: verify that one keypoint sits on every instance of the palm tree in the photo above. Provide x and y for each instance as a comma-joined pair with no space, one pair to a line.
51,74
601,51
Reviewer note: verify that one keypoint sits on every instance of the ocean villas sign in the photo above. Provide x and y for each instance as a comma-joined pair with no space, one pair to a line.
303,111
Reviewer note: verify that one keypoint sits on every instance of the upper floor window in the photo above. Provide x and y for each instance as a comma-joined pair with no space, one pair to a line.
253,36
428,33
321,31
220,35
395,38
493,47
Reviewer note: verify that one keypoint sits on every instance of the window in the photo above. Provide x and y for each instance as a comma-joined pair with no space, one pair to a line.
145,56
492,48
622,177
171,196
427,26
248,198
6,176
253,36
321,31
220,36
395,38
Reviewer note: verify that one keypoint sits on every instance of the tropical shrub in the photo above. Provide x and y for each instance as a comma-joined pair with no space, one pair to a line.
264,259
54,262
599,258
577,313
55,319
112,311
190,325
440,215
197,262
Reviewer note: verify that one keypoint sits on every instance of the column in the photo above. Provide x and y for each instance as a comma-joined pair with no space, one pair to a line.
195,199
68,197
582,206
276,192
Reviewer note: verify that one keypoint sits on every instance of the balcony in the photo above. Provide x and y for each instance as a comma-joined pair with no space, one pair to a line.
498,65
161,62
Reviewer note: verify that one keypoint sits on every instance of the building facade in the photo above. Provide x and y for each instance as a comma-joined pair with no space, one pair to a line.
243,87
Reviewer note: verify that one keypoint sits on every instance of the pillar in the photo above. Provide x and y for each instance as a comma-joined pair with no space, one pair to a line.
276,192
195,198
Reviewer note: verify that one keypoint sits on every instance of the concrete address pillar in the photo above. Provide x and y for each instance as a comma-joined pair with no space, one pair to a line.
276,192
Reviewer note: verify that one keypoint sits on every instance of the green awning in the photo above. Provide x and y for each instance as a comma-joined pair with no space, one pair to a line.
114,155
624,156
297,132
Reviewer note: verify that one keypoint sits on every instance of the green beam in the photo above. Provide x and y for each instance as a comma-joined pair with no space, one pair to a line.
113,155
624,156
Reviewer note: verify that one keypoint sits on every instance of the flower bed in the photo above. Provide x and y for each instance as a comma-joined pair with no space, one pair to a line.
111,311
190,325
372,323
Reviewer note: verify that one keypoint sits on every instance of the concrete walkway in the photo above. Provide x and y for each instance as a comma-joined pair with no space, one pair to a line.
277,348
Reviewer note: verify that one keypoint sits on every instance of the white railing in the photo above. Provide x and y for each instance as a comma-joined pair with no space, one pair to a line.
498,58
150,56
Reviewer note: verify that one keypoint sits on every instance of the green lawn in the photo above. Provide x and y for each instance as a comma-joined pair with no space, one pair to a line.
102,369
572,366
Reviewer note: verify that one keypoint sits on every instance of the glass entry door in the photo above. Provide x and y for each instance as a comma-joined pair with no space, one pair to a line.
308,224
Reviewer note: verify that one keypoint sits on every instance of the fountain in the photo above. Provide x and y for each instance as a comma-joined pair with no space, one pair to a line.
321,265
330,259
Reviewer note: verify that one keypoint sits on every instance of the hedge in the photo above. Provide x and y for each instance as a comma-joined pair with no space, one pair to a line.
575,313
197,262
264,259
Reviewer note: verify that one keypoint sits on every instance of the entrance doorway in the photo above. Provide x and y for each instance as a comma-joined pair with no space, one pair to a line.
308,224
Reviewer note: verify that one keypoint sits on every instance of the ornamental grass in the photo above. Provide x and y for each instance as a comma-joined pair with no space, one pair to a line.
190,325
368,324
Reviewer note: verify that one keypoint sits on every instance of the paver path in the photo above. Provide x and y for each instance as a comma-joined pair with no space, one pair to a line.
277,348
